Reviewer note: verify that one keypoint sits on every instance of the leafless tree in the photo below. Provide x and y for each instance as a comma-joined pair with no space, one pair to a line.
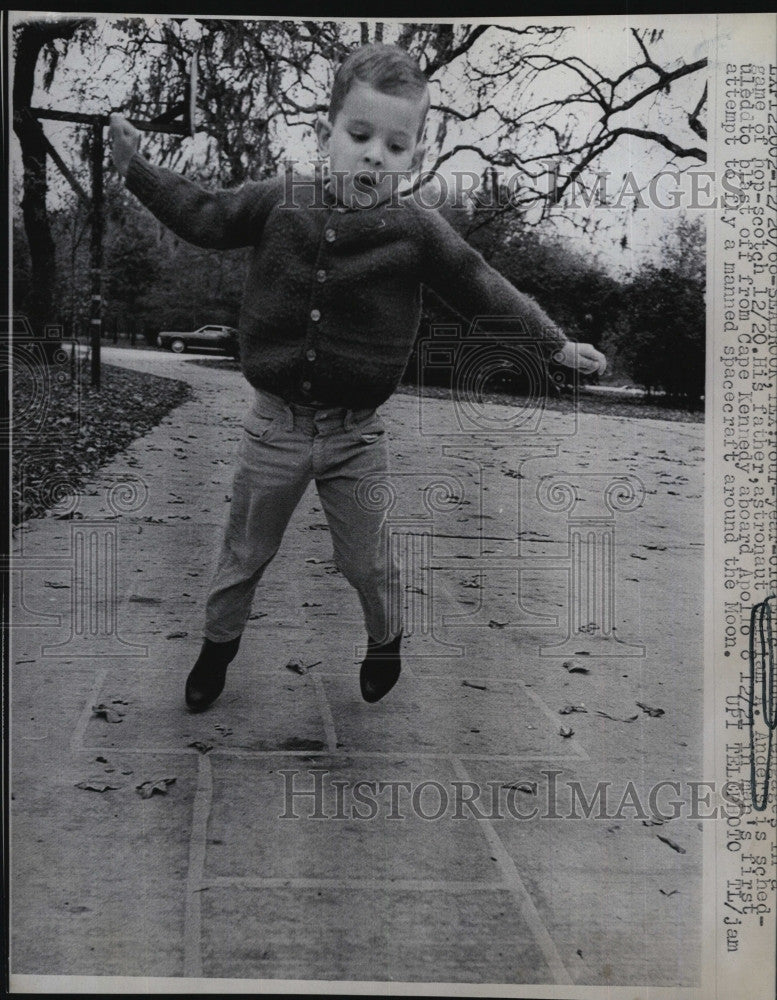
515,95
260,80
555,142
36,40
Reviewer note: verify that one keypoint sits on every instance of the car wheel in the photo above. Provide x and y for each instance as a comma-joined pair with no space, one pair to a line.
178,346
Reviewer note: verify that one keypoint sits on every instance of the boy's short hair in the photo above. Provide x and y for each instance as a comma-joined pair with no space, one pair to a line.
387,68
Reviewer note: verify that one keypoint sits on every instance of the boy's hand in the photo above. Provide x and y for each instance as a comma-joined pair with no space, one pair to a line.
584,357
125,140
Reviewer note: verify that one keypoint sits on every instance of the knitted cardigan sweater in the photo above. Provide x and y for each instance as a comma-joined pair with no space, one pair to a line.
332,301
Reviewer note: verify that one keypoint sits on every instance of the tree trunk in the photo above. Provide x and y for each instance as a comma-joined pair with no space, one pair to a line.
42,306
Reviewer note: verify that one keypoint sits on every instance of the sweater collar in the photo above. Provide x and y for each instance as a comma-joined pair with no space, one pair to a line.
330,198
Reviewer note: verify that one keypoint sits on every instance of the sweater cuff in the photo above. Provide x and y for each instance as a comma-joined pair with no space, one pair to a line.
142,179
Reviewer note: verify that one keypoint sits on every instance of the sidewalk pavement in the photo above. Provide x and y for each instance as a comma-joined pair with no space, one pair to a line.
505,541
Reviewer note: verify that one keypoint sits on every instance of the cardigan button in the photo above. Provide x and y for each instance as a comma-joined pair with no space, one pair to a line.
330,235
321,275
315,315
310,354
306,386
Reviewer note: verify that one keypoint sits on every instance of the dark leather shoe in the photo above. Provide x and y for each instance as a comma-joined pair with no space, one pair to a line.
380,669
208,675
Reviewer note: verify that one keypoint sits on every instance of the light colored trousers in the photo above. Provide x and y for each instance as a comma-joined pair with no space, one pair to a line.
284,446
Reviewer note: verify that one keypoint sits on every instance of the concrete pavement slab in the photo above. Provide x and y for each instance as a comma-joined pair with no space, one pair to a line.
206,879
371,933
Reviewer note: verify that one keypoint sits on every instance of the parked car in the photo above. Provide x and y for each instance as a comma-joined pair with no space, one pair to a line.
211,337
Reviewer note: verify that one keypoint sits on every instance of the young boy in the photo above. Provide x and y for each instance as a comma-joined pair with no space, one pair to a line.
329,317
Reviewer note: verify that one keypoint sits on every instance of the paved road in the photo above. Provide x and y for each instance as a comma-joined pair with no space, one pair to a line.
519,556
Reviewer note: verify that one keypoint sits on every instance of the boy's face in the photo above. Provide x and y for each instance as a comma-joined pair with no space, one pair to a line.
373,140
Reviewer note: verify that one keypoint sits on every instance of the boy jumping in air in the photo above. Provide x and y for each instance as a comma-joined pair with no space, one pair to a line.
329,317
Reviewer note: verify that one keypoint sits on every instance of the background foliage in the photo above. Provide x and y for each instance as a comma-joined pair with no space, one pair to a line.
261,85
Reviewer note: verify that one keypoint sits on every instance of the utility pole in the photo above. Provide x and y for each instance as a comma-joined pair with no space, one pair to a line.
96,308
166,123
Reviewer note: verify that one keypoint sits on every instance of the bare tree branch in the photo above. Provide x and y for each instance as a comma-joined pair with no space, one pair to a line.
693,119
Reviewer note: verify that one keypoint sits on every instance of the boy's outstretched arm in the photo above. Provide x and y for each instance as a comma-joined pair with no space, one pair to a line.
125,139
219,220
460,276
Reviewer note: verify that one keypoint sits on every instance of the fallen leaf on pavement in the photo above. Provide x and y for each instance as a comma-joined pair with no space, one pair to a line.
569,709
528,787
199,745
56,585
177,635
566,732
296,667
493,624
574,668
671,843
157,786
671,892
108,713
654,712
95,785
631,718
478,687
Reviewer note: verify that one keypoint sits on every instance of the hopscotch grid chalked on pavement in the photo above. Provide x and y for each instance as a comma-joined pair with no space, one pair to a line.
492,917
